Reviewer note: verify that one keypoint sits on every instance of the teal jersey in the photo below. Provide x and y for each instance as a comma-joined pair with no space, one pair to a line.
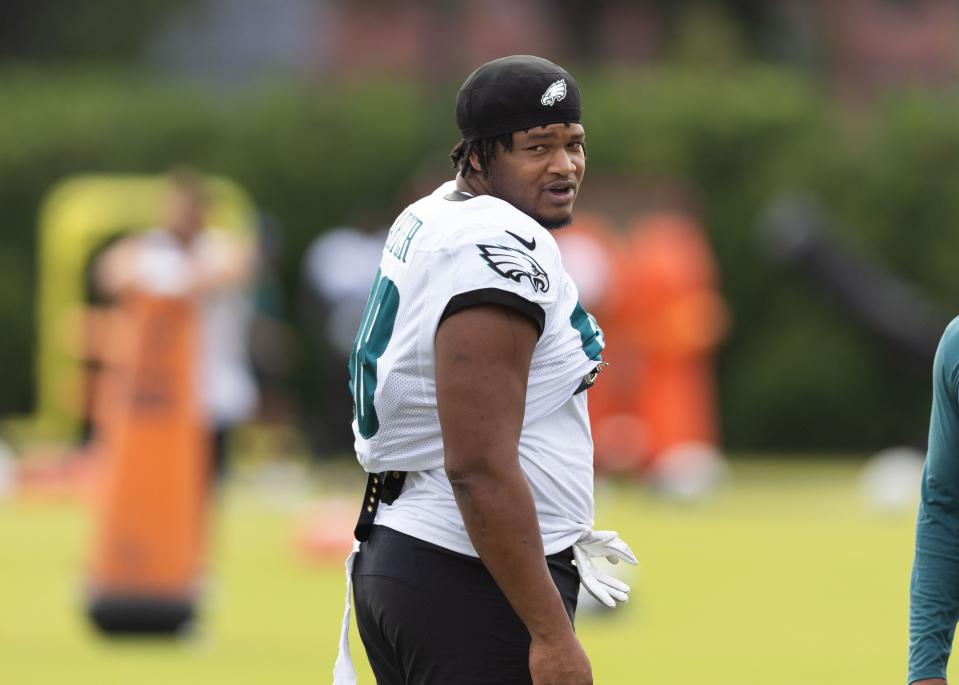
934,589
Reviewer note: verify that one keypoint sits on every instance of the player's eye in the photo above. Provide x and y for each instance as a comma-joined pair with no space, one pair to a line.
538,148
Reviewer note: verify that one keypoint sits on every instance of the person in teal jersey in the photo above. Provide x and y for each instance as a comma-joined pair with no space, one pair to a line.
934,589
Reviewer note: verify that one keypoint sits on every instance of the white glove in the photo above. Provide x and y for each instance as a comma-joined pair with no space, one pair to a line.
602,543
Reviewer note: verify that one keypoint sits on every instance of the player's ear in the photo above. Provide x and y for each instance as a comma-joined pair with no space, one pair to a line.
475,163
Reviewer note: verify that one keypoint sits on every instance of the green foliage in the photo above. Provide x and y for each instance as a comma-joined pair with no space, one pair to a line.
797,371
61,30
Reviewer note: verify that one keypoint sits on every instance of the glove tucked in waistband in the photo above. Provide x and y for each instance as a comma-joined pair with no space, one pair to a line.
602,543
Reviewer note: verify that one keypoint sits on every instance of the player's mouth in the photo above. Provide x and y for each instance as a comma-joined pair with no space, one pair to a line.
561,192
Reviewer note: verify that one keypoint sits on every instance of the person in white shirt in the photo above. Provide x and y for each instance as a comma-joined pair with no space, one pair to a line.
333,296
468,377
185,258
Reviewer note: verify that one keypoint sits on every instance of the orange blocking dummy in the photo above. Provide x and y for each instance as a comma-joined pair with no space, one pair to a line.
151,498
672,318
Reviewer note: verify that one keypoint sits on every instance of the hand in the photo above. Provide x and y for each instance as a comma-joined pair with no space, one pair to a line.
561,662
602,586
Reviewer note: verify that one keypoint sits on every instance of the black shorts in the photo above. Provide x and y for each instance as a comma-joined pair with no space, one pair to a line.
430,616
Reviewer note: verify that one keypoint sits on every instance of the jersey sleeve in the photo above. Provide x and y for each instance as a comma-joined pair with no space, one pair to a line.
934,587
491,265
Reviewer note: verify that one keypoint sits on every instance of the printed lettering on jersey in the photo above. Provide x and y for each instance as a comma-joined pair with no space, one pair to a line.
514,264
401,235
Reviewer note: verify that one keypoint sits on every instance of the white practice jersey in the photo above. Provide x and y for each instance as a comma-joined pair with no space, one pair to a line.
445,253
225,380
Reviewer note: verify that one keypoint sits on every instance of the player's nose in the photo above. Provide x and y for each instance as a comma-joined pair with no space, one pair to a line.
562,163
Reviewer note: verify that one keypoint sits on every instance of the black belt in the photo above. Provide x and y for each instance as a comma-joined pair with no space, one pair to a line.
383,487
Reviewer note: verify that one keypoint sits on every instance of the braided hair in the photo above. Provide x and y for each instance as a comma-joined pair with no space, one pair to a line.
485,150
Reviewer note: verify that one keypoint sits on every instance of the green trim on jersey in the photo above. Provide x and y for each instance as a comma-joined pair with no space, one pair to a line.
371,341
589,332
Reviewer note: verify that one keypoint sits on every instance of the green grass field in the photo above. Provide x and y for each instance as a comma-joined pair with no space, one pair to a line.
785,578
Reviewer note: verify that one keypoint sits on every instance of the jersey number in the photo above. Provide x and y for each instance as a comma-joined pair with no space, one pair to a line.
374,334
590,334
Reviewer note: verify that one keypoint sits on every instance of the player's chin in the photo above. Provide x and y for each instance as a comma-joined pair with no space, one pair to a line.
555,218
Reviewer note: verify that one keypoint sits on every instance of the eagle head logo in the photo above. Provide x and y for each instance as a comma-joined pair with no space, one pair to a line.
555,93
515,265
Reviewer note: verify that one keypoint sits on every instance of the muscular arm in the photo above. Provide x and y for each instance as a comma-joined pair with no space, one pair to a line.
482,366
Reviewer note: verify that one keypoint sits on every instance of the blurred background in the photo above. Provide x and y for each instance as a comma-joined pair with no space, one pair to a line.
766,233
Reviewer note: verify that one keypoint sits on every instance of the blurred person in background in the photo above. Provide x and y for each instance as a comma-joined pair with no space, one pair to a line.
183,257
469,373
655,287
673,319
337,269
934,589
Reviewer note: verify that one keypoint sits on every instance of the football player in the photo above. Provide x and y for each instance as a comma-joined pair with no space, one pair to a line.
469,375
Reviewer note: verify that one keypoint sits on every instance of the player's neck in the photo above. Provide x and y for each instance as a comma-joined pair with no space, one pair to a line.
471,185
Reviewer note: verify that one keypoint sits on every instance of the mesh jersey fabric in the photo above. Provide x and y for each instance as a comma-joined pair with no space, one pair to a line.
438,250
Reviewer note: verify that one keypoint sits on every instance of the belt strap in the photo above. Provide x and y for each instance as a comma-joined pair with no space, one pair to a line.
385,487
590,378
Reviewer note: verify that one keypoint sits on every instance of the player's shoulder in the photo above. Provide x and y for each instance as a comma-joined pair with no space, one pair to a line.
947,355
462,226
487,218
949,343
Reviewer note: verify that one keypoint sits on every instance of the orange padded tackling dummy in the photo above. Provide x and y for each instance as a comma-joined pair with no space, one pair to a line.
673,319
151,499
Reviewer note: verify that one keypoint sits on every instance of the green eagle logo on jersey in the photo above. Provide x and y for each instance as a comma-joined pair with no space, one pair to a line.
515,265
